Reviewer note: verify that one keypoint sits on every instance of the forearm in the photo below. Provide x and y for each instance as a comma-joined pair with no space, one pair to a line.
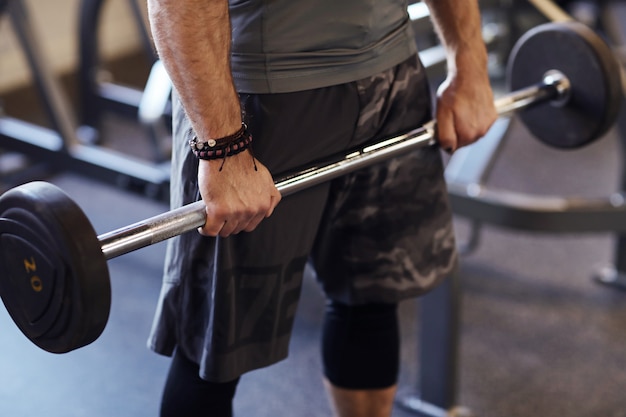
465,108
193,38
458,25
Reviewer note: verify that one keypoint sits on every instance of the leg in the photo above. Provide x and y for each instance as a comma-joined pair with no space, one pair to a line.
360,353
386,236
361,403
187,395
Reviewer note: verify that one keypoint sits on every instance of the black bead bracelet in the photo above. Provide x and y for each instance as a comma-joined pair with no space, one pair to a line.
222,147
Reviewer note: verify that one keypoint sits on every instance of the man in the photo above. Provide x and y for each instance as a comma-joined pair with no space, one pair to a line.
309,79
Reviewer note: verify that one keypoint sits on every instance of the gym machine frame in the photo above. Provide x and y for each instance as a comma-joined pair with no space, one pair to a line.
466,174
613,24
60,146
97,96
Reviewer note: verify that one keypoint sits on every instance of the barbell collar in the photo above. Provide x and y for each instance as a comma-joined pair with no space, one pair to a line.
554,86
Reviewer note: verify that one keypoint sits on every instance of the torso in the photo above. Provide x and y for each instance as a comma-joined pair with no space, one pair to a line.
293,45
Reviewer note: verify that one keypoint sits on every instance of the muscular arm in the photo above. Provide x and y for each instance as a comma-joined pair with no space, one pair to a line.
193,38
465,109
193,41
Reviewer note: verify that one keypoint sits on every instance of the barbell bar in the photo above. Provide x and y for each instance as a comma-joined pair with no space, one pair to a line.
54,277
554,87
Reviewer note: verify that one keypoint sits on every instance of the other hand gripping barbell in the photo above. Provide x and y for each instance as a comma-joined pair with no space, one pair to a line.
54,279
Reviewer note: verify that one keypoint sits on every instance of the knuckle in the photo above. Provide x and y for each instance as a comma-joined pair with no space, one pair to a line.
248,212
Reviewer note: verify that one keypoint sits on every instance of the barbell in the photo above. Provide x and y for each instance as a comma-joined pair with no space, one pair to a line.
54,279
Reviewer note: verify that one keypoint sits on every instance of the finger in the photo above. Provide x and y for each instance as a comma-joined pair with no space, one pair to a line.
261,215
446,134
230,227
253,223
210,230
274,200
472,132
214,223
255,220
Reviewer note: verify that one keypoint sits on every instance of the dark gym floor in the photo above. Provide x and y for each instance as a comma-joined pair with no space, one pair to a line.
539,337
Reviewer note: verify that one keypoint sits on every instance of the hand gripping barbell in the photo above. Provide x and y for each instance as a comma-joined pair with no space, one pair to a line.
54,279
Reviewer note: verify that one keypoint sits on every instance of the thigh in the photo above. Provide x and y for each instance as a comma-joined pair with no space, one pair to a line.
387,233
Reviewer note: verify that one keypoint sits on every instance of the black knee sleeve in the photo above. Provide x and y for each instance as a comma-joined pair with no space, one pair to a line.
361,345
188,395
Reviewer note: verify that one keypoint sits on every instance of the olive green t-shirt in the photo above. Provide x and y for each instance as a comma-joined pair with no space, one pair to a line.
293,45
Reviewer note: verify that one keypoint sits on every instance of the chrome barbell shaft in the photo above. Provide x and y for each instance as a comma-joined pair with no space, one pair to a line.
554,86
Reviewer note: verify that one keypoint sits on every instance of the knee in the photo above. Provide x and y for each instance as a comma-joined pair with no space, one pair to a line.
360,345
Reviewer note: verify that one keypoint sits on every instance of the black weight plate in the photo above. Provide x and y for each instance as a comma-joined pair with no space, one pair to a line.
32,285
40,223
584,58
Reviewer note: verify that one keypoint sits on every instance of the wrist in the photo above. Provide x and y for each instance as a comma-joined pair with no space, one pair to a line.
224,147
467,61
219,148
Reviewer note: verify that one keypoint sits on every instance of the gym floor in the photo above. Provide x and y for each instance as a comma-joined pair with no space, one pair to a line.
538,336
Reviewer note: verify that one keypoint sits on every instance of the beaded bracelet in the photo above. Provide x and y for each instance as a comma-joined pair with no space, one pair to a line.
222,147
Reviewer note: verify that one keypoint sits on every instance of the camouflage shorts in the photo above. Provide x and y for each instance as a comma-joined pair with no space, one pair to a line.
379,235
